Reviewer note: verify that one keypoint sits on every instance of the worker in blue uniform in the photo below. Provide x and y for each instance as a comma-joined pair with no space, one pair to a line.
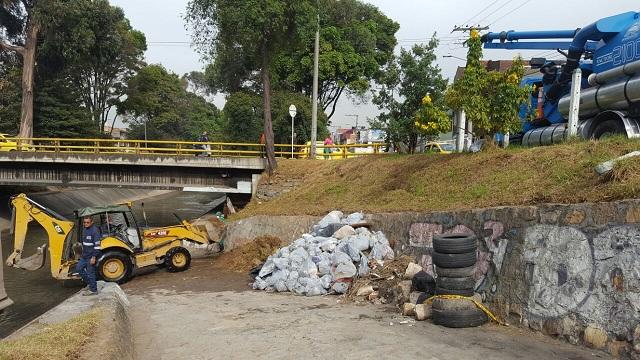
90,253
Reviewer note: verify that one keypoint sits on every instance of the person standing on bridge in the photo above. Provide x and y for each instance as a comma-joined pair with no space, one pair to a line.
90,253
205,139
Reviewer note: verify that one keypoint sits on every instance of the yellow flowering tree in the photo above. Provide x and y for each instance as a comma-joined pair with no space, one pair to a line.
431,120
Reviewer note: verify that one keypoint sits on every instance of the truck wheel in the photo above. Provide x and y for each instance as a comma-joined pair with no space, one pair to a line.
177,259
114,266
609,128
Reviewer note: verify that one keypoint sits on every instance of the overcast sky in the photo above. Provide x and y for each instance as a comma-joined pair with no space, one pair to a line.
161,21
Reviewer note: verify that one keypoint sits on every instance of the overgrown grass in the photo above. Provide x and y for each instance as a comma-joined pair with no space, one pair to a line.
55,342
426,182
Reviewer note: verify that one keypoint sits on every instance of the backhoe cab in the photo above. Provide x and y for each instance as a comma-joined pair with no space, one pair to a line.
125,247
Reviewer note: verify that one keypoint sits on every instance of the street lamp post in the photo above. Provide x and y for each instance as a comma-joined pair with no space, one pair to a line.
453,56
292,111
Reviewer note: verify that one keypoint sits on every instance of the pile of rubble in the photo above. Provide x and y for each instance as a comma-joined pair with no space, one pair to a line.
338,249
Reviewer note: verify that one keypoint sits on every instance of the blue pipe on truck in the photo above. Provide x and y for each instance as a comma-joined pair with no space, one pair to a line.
512,35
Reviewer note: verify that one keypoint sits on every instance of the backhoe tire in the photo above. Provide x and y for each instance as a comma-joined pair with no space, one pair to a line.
454,243
177,259
115,266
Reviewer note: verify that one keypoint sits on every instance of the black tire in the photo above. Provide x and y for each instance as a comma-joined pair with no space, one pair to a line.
453,304
114,266
459,318
609,128
454,243
450,261
462,283
177,259
456,272
459,292
423,282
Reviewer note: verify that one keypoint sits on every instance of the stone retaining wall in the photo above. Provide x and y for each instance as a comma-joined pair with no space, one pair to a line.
571,271
287,228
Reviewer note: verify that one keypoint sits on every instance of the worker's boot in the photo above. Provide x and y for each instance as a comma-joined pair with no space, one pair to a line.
89,293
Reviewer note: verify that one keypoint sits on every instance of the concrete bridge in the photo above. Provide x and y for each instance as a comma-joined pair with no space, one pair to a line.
231,175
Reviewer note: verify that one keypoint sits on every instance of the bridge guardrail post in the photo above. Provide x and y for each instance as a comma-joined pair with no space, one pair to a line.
179,149
56,146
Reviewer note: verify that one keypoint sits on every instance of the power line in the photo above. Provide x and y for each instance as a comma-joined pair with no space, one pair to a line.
495,11
481,11
510,12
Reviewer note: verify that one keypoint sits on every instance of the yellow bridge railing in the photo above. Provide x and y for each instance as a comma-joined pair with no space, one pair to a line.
183,148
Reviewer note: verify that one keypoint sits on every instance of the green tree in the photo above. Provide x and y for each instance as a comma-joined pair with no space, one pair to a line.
243,120
489,98
20,24
244,37
99,50
407,80
159,101
356,39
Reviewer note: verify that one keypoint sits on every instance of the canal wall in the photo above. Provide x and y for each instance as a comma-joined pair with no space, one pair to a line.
113,338
569,271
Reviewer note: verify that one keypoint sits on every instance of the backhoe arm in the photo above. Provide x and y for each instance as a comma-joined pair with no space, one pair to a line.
57,227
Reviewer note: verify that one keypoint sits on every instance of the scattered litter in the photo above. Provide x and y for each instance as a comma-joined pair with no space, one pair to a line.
329,259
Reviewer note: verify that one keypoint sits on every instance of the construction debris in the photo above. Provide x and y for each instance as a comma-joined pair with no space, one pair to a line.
247,256
327,259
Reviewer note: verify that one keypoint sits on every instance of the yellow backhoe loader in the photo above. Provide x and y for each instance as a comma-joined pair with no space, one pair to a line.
124,246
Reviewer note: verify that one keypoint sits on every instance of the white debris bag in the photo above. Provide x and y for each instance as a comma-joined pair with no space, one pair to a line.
318,262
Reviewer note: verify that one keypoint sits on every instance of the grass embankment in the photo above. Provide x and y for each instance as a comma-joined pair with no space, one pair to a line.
55,342
431,182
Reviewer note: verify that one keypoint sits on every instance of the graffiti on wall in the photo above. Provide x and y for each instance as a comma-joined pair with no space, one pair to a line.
421,236
566,271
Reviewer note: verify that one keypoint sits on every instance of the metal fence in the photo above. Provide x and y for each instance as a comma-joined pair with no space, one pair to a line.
184,148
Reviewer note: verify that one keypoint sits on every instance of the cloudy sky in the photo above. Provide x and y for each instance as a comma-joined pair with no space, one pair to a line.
161,21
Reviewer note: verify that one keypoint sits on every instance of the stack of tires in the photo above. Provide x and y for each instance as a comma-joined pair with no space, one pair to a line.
454,258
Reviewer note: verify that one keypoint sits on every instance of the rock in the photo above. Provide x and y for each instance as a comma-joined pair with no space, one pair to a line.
340,287
344,232
414,296
636,339
365,291
423,312
618,348
401,292
595,337
354,218
411,270
331,218
575,217
409,309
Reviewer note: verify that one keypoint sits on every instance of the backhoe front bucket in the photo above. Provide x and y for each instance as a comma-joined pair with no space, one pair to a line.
33,262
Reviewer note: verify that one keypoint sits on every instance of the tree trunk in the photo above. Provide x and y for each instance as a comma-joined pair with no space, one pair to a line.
28,70
272,164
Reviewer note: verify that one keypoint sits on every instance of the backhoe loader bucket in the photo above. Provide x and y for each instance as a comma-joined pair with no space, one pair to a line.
33,262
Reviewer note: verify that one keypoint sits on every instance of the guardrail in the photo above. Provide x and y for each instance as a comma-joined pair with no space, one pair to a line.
183,148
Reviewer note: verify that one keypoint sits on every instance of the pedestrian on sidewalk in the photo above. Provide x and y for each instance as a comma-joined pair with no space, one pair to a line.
204,138
327,150
86,267
263,149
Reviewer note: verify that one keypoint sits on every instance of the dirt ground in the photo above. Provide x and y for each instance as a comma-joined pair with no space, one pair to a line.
206,313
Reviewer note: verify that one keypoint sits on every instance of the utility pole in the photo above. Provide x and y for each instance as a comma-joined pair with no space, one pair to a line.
314,109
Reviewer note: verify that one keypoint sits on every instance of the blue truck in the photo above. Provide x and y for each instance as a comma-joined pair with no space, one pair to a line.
608,54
